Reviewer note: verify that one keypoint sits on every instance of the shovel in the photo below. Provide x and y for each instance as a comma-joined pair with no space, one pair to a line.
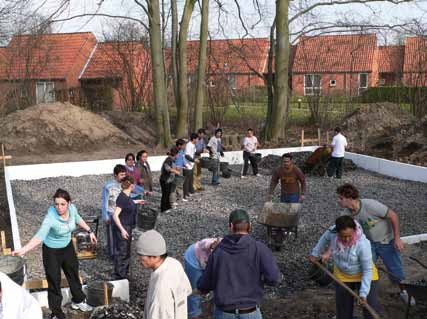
371,310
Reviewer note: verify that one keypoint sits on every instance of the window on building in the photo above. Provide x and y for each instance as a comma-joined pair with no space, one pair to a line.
45,92
332,82
24,93
231,78
382,82
363,82
312,84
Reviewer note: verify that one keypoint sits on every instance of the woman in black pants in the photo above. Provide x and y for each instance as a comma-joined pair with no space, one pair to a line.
124,221
58,252
167,177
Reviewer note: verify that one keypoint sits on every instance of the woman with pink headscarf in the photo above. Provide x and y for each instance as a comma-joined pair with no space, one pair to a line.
353,265
195,260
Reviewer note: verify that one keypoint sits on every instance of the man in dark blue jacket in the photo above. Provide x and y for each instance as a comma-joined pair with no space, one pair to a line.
237,271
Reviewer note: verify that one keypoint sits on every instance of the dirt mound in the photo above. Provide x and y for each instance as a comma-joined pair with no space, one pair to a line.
411,144
371,128
57,128
139,126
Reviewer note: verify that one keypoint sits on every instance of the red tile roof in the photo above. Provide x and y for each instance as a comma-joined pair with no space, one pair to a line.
110,59
231,55
390,58
47,56
335,53
415,55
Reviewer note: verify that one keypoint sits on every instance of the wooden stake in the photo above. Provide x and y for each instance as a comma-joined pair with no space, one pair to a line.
105,293
318,136
4,157
302,138
371,310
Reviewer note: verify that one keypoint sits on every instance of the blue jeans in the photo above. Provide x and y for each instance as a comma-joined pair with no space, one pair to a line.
215,171
289,198
391,258
219,314
194,302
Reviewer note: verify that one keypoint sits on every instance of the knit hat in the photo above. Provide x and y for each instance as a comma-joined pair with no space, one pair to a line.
238,216
151,243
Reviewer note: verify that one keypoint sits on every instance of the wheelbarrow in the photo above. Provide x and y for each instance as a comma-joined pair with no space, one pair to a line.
281,220
416,289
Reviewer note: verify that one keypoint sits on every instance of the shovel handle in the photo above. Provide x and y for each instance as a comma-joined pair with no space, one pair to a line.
106,293
371,310
419,262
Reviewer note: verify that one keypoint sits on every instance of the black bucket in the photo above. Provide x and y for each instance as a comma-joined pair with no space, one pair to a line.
319,276
223,166
205,162
258,157
13,267
146,217
95,293
226,173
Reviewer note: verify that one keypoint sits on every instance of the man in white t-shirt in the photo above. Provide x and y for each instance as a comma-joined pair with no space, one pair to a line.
339,143
249,146
189,156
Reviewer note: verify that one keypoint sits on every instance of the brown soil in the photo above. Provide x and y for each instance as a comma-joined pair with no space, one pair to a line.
385,130
58,128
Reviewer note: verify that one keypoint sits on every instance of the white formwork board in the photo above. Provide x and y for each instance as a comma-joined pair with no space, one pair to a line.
389,168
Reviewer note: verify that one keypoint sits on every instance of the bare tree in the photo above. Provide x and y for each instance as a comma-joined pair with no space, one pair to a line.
200,90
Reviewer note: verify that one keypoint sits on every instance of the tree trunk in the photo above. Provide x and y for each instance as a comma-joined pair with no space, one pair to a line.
270,83
182,118
281,85
174,55
200,91
158,73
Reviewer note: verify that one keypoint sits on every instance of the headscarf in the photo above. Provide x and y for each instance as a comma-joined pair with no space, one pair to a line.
342,245
203,250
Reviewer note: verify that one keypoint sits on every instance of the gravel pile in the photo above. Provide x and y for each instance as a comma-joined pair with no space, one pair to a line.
206,215
118,311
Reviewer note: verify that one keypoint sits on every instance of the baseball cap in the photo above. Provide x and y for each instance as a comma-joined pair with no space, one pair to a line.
151,243
238,216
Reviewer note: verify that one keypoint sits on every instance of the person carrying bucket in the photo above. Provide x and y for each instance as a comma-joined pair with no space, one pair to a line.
353,265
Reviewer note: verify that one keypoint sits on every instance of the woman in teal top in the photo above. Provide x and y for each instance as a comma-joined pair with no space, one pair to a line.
58,252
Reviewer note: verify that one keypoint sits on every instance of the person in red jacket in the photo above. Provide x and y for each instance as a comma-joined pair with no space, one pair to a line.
292,181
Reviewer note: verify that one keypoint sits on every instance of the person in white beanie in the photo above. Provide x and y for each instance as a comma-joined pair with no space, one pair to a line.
169,286
16,302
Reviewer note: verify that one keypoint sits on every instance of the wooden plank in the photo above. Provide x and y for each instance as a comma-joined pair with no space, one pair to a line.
42,283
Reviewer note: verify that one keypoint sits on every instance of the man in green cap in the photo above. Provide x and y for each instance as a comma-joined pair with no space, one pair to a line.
237,271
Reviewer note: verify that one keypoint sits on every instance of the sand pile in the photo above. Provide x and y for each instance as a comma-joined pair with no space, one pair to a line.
58,128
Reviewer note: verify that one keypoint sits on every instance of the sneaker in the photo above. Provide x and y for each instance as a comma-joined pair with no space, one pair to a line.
243,176
258,175
57,316
82,306
184,200
404,296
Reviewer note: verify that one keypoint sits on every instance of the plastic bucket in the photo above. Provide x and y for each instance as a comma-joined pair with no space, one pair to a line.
146,218
258,157
319,276
95,293
205,162
223,166
13,267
